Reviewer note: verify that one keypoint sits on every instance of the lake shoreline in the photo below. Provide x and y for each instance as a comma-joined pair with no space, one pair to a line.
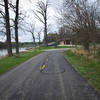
4,53
13,54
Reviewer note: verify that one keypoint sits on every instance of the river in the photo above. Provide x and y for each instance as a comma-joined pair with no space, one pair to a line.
3,52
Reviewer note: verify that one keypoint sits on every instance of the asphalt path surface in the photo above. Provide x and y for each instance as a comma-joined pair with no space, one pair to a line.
48,76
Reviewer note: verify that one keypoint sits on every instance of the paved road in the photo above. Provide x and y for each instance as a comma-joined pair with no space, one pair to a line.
57,80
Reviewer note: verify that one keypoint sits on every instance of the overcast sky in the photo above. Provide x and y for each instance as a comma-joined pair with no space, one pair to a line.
27,6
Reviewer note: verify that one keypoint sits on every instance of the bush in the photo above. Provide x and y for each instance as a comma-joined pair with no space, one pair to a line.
98,52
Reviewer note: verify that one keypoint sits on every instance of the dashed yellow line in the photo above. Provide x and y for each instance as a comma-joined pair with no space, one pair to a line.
42,67
47,59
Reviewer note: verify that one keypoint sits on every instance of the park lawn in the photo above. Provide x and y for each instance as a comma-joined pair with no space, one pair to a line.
90,69
58,47
64,46
8,63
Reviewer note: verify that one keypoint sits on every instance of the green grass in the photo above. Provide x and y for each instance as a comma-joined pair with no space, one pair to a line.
64,47
51,47
90,69
8,63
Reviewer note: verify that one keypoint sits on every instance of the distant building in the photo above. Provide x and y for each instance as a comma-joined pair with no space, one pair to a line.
66,41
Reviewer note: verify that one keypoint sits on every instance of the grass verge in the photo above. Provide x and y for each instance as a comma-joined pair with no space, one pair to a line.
90,69
58,47
8,63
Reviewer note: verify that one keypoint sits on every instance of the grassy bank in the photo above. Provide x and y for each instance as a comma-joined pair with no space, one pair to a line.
8,63
89,68
51,47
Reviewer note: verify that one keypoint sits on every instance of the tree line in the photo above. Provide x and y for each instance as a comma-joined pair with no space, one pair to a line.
80,20
6,22
3,45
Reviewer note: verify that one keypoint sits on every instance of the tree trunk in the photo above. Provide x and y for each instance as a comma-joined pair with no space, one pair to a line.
94,47
39,41
45,30
9,45
16,28
34,44
86,45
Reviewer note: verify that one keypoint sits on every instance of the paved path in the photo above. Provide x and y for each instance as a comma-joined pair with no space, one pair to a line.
57,80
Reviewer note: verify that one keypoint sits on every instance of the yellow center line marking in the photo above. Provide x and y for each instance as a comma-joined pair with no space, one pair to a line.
47,59
42,67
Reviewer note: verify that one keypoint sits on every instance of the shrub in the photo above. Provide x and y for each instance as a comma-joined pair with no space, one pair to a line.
98,52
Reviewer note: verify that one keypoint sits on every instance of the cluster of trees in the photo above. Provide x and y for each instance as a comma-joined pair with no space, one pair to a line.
35,35
81,20
5,6
7,24
3,45
52,37
65,33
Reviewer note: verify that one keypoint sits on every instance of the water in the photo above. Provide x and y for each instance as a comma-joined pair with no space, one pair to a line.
3,52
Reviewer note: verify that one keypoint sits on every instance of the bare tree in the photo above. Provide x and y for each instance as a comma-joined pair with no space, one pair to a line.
16,27
15,8
8,33
31,29
19,18
79,16
42,11
39,36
